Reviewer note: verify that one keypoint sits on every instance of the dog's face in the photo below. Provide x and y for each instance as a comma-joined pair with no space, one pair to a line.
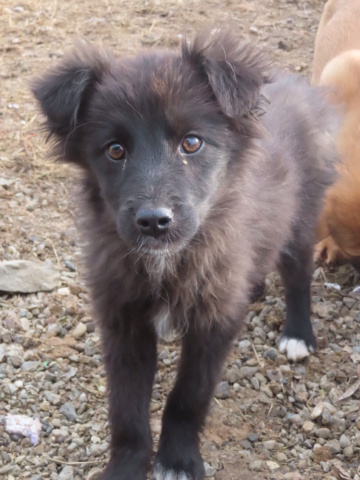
159,147
157,132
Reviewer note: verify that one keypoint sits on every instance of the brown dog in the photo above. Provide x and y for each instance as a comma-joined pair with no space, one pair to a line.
337,65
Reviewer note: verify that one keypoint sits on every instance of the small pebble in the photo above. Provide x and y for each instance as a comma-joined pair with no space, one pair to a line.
222,390
344,441
253,437
209,470
67,473
79,330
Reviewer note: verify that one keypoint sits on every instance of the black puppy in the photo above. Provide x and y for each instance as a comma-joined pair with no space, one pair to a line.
199,178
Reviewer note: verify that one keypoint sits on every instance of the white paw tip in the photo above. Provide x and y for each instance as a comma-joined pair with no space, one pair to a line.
294,348
161,474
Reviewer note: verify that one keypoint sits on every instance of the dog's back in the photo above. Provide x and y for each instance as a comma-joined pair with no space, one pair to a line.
307,129
338,31
337,66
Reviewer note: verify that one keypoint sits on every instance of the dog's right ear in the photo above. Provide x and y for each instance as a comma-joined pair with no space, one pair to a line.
63,92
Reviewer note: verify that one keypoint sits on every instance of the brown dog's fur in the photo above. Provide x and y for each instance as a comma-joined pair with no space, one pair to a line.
337,66
246,202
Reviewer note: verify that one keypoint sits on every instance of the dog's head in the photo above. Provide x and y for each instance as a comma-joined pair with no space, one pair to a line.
157,133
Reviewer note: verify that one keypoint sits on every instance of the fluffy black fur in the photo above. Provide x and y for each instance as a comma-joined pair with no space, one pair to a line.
245,202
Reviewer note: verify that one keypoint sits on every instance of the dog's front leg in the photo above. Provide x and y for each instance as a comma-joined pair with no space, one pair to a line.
202,357
129,344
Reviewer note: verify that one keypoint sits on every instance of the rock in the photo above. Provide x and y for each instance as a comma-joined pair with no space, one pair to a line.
6,469
31,366
67,473
272,466
256,465
322,454
269,444
349,451
244,345
323,433
324,310
27,276
326,418
344,441
64,291
52,397
247,372
2,352
334,446
274,375
293,476
53,330
245,444
233,375
24,425
70,265
222,390
281,457
253,437
14,355
97,449
325,466
308,426
209,470
295,418
270,354
69,412
319,408
91,347
79,330
255,383
334,395
94,474
25,325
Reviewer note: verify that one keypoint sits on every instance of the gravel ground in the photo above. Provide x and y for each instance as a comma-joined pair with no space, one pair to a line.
270,419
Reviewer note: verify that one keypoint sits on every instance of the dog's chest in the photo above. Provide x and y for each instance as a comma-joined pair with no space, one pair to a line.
164,324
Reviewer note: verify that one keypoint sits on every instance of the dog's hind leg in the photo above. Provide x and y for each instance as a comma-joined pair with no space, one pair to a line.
202,357
258,292
297,339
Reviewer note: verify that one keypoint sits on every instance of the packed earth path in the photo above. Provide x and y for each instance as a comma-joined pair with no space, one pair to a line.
270,419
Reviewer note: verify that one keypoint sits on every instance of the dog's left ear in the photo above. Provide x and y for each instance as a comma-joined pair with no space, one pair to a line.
235,70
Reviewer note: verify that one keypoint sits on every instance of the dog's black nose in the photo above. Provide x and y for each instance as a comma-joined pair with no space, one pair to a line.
154,222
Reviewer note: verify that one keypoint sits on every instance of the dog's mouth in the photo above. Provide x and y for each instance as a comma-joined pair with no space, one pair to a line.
158,246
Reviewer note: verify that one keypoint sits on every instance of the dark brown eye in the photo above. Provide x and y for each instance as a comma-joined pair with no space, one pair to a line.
115,152
191,144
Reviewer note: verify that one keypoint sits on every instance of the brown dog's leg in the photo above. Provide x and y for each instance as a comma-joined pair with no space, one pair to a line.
130,359
329,252
203,354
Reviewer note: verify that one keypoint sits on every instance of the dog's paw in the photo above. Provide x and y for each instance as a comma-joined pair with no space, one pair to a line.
178,463
295,348
160,473
126,465
328,251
